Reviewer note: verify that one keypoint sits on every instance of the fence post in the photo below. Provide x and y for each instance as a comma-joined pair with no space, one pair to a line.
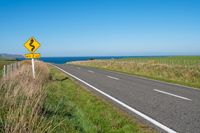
7,70
11,68
4,70
17,65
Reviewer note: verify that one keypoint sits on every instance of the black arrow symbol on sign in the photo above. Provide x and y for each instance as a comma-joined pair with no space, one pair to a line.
31,44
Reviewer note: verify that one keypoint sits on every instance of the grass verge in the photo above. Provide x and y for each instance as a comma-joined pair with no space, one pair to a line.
84,112
184,70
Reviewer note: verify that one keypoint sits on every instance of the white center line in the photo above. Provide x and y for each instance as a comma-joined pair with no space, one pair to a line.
112,77
90,71
172,95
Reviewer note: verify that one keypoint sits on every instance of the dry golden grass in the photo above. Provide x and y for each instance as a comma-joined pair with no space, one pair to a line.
21,98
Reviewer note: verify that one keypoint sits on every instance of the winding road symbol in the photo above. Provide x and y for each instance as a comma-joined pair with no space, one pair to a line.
31,44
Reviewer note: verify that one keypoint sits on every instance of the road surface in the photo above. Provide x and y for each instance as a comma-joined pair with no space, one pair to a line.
166,107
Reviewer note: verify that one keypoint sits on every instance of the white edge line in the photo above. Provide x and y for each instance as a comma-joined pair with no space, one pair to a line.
90,71
158,124
112,77
172,95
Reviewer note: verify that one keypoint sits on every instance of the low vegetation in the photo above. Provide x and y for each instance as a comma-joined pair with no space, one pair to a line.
183,70
54,103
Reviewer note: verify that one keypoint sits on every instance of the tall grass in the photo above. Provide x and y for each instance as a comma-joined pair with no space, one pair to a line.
21,99
181,70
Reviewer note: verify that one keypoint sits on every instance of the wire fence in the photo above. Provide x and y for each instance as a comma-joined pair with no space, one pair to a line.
8,69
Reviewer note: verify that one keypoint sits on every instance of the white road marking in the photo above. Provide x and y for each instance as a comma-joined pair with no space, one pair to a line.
112,77
172,95
90,71
158,124
78,68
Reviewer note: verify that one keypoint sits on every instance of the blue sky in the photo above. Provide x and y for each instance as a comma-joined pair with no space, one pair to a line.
101,27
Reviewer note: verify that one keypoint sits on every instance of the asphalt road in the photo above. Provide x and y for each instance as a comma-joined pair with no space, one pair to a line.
166,107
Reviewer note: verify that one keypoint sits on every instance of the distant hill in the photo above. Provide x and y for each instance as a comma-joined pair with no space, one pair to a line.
10,56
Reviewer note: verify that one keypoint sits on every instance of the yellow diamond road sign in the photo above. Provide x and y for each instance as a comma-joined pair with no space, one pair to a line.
32,45
32,55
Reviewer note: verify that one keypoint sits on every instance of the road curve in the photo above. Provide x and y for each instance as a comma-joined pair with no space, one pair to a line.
166,107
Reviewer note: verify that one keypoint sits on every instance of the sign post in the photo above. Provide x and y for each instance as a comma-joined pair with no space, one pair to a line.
32,45
33,67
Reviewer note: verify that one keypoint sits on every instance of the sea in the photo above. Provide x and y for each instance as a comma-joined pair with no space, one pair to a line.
62,60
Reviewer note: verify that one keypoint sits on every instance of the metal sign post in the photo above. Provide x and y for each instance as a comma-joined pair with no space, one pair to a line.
33,68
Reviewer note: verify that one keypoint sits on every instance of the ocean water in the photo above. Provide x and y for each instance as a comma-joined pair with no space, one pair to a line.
62,60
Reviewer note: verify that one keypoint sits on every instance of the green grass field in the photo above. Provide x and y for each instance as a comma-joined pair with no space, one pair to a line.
170,60
184,70
83,112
